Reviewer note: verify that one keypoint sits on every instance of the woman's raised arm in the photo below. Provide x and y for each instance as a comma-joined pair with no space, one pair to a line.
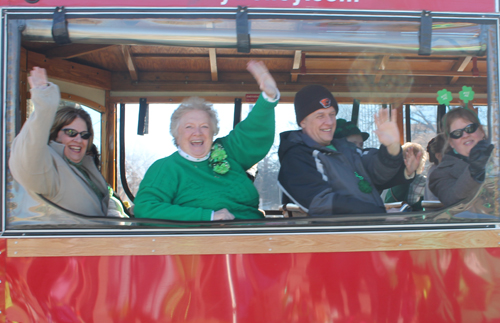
261,74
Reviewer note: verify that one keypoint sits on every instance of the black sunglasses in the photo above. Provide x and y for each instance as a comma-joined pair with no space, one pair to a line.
73,133
455,134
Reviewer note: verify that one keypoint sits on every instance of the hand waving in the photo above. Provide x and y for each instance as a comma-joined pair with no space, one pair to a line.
411,161
387,131
263,78
478,157
38,77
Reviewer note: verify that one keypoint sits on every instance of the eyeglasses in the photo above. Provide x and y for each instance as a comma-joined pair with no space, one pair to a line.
455,134
73,133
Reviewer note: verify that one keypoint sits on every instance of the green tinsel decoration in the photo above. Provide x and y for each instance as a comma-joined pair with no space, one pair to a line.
363,184
221,167
217,159
218,154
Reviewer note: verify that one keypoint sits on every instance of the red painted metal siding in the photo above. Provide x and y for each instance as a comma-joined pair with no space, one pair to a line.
459,285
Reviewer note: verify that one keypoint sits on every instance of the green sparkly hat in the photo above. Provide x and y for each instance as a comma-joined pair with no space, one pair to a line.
346,128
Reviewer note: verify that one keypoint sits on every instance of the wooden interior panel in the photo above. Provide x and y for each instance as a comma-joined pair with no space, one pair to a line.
397,108
167,50
170,77
110,59
230,64
252,244
73,50
70,71
410,65
375,77
256,52
109,149
173,64
344,63
81,100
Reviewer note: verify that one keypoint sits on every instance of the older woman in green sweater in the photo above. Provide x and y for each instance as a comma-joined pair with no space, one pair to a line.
205,179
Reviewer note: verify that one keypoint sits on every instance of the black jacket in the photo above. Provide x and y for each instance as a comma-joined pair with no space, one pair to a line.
323,181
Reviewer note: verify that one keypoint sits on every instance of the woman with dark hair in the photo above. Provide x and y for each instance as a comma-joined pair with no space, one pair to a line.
435,150
462,170
61,170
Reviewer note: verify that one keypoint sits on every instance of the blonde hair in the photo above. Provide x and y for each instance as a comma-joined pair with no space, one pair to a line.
191,104
416,149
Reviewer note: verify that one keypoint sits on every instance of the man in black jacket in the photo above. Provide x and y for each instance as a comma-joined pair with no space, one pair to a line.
326,176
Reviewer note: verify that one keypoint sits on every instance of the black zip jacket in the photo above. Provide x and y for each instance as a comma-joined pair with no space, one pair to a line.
323,181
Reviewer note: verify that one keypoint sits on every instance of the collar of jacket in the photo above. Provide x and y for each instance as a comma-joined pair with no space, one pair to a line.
457,155
339,144
59,149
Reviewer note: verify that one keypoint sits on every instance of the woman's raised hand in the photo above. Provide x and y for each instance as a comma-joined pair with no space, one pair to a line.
263,78
387,131
223,214
38,77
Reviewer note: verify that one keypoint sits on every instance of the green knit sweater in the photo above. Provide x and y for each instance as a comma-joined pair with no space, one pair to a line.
175,188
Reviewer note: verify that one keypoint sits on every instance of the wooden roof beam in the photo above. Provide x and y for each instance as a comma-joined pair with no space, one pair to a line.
386,72
459,67
380,65
213,64
71,72
130,63
296,64
74,50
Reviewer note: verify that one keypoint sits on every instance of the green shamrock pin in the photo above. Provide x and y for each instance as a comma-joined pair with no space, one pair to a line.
467,94
363,184
444,97
217,159
218,154
221,167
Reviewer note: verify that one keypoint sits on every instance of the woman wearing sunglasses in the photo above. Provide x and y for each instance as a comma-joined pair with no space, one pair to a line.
50,157
462,169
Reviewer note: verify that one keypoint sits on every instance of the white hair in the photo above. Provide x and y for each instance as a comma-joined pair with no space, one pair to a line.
191,104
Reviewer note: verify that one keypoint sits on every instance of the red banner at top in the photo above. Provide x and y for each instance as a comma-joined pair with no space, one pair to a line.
478,6
251,98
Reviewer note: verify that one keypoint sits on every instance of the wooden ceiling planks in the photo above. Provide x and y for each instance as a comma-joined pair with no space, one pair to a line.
70,71
191,69
73,50
230,64
168,50
173,64
130,63
460,66
110,59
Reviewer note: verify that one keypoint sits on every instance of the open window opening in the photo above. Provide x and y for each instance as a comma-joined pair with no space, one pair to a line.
166,60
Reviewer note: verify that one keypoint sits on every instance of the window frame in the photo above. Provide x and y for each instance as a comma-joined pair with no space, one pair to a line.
11,77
